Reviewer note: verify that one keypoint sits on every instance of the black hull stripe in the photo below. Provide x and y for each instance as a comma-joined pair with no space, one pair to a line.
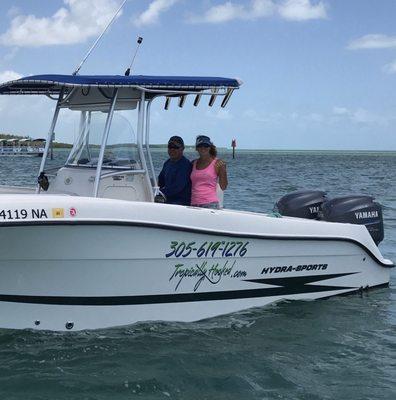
179,298
193,230
168,298
295,282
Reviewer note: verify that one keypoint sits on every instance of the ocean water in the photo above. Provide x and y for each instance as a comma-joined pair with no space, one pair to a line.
339,348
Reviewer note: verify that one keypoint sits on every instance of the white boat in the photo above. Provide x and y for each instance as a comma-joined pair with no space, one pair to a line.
99,252
22,147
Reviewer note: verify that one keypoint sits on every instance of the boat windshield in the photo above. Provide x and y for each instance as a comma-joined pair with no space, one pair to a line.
120,151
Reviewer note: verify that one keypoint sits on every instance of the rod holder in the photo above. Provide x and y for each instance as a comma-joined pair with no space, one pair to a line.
182,100
213,97
197,99
227,97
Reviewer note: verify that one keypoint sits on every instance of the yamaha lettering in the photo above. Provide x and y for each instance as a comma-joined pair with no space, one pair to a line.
23,213
366,214
291,268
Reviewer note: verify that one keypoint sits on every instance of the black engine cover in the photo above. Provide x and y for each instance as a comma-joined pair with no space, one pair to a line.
356,209
301,204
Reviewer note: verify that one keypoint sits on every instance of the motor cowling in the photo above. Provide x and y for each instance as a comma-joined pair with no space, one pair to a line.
301,204
356,209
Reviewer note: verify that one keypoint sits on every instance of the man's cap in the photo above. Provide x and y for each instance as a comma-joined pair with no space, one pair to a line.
176,141
203,140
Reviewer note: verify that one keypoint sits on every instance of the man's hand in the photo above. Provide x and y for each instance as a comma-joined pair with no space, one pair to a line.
159,198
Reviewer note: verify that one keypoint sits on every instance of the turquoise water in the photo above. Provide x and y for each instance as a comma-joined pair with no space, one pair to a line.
340,348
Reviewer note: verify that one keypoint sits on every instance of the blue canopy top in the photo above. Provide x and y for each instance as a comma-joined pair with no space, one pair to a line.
52,84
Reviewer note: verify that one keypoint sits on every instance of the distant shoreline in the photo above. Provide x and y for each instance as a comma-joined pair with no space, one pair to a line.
163,146
225,149
311,151
61,146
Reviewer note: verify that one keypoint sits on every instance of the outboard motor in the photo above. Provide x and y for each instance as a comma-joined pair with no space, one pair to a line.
301,204
358,209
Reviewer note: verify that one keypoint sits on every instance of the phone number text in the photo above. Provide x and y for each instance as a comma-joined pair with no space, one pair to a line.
207,249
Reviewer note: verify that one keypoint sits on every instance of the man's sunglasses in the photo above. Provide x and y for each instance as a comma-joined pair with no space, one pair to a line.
172,146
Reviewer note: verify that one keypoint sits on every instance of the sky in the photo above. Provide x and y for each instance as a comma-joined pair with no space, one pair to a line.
317,74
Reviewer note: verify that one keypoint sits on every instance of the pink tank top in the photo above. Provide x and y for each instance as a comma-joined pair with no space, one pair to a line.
204,184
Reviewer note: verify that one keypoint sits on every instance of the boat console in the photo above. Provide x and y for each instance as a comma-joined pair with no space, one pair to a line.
118,184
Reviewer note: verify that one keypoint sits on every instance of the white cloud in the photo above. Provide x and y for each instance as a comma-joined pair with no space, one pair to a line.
152,14
221,13
250,113
359,116
376,41
221,114
292,10
314,117
340,110
390,68
373,41
253,115
262,8
230,11
6,76
364,116
77,21
301,10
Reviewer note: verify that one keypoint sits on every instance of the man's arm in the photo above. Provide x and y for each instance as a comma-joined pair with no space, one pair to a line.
161,178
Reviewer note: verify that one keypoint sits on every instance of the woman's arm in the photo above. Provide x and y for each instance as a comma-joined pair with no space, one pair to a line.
221,170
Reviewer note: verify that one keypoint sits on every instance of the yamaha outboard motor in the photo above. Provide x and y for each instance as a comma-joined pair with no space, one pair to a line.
301,204
362,210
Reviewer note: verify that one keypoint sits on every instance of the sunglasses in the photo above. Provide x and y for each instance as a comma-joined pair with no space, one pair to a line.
203,145
174,147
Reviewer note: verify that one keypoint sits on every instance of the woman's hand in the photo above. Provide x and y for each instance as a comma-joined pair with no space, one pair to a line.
220,166
221,169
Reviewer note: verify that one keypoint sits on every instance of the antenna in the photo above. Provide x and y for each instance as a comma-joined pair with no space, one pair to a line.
98,39
139,42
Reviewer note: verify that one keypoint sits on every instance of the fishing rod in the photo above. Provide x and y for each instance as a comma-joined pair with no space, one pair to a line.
139,42
98,39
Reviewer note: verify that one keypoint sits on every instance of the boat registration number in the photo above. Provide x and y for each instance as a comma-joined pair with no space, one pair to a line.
23,213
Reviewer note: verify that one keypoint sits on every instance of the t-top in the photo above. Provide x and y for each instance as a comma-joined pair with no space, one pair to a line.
204,184
174,181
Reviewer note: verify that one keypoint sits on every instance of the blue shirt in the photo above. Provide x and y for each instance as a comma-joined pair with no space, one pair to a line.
174,181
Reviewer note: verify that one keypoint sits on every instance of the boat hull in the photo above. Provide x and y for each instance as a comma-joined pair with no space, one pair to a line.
84,274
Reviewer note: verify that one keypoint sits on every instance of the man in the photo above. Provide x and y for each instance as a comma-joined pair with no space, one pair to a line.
174,179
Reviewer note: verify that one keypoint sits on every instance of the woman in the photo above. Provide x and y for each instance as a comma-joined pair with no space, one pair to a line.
206,172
